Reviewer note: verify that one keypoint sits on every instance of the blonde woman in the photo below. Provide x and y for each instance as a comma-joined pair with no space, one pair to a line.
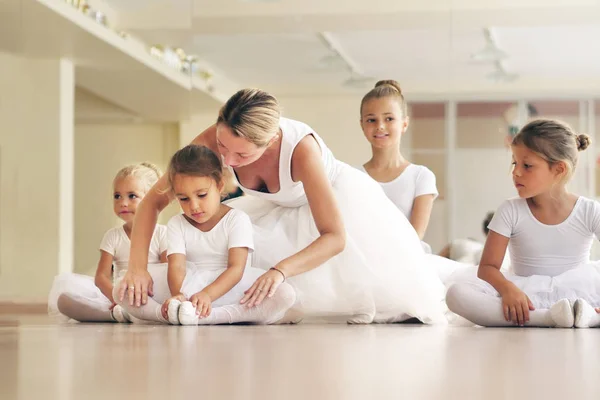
320,225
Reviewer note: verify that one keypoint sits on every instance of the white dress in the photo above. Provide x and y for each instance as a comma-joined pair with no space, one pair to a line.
414,181
116,243
382,274
550,262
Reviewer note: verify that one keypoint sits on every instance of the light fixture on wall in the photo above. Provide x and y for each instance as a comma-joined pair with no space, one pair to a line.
491,52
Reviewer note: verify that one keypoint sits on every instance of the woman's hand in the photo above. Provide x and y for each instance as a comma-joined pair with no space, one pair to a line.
138,285
265,286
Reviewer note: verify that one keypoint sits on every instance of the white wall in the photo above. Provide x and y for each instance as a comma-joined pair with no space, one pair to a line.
189,129
483,182
336,120
35,147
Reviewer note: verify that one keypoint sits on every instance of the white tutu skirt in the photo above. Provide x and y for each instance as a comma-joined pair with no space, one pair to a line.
543,291
445,268
382,275
197,279
84,289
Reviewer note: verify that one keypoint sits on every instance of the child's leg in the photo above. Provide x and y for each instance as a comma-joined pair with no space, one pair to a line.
77,296
271,310
83,309
485,309
151,311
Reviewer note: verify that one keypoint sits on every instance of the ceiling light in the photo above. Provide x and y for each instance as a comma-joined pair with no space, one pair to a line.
491,52
499,75
358,82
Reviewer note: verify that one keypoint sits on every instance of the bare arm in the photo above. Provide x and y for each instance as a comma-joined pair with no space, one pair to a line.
103,277
176,273
208,138
308,168
144,223
491,262
236,263
515,303
421,213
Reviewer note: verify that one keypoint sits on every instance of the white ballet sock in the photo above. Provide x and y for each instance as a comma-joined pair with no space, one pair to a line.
585,315
293,316
270,311
173,312
120,315
562,314
84,310
484,309
149,312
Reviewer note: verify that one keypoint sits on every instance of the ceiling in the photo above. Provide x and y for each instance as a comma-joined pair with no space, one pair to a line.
281,45
426,46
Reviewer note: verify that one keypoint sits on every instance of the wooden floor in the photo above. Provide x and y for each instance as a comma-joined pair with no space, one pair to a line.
42,360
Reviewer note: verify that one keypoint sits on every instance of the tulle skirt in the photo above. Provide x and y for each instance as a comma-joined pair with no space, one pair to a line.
196,279
382,275
543,291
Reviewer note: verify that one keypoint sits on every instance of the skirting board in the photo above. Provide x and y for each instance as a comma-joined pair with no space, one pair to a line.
10,307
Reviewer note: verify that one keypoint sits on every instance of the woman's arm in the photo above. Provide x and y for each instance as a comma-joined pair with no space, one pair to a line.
421,213
307,167
137,282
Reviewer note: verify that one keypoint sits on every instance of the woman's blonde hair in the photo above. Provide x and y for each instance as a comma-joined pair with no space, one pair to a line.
386,88
252,114
146,172
554,141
